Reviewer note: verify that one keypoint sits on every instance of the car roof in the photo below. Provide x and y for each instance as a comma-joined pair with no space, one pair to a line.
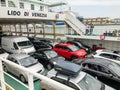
64,67
100,61
78,78
18,56
64,44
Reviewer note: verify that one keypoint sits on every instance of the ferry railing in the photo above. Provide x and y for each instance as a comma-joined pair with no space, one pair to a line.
30,75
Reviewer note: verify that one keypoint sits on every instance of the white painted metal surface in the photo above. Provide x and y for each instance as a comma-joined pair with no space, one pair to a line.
30,75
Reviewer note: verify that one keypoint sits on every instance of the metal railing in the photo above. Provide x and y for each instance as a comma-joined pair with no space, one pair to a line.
30,75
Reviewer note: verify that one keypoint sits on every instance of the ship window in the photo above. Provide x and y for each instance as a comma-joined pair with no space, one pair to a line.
41,8
32,7
11,4
22,5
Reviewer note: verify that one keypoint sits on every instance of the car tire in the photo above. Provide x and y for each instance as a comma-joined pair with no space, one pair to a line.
22,78
49,66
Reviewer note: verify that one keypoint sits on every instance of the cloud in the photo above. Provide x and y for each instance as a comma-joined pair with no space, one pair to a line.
94,2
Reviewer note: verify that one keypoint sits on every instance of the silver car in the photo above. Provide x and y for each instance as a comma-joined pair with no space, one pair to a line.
81,80
26,61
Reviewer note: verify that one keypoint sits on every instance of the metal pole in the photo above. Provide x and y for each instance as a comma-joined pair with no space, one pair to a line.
2,77
54,30
34,27
43,25
27,29
30,81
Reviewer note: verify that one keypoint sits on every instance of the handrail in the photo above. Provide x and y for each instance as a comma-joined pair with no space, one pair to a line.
30,75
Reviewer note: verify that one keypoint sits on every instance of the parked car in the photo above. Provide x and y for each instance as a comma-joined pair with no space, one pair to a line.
80,45
107,54
70,74
104,70
47,57
26,61
70,51
40,45
46,41
3,54
17,44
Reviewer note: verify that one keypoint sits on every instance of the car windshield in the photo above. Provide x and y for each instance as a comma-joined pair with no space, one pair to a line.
90,83
28,61
115,68
24,44
74,48
51,54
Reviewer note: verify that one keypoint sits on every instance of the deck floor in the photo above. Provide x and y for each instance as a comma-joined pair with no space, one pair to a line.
18,86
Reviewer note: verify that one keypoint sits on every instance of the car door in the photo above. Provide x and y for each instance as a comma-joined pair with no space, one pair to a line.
108,77
13,69
91,69
66,52
41,58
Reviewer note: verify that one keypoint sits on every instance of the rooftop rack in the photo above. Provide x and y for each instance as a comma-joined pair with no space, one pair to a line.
67,68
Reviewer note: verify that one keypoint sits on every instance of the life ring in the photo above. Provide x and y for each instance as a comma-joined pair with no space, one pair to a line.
102,37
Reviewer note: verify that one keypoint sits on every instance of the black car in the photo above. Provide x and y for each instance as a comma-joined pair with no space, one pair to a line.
47,57
40,45
80,45
47,42
106,71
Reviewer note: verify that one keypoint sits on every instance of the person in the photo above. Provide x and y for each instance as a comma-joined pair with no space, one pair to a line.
91,29
87,29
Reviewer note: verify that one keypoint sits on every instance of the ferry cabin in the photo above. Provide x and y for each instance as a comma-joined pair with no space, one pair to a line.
29,17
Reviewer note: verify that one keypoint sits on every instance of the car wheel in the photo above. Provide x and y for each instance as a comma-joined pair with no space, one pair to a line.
49,66
22,78
5,69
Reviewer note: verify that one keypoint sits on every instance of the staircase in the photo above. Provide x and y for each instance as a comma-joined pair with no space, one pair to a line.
72,21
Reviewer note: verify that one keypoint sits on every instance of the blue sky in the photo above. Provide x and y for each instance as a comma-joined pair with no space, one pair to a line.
96,8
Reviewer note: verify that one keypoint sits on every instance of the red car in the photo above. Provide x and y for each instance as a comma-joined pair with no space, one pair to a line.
70,51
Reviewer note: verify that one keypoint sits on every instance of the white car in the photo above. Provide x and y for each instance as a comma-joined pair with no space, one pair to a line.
108,54
25,61
71,75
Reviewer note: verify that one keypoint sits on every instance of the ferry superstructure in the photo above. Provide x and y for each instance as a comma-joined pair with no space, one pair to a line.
30,17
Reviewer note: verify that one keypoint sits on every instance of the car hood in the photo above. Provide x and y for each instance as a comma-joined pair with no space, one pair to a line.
58,58
80,52
36,68
29,49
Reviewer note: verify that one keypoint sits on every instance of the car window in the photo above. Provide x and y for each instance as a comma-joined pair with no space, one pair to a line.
58,47
103,69
106,55
90,66
66,48
13,60
118,58
65,82
40,54
15,46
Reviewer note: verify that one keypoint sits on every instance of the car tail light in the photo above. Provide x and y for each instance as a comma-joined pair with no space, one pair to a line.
92,56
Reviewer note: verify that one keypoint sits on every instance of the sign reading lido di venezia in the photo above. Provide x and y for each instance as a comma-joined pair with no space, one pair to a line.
19,13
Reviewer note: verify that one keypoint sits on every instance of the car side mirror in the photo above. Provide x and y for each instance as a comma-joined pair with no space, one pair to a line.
110,75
